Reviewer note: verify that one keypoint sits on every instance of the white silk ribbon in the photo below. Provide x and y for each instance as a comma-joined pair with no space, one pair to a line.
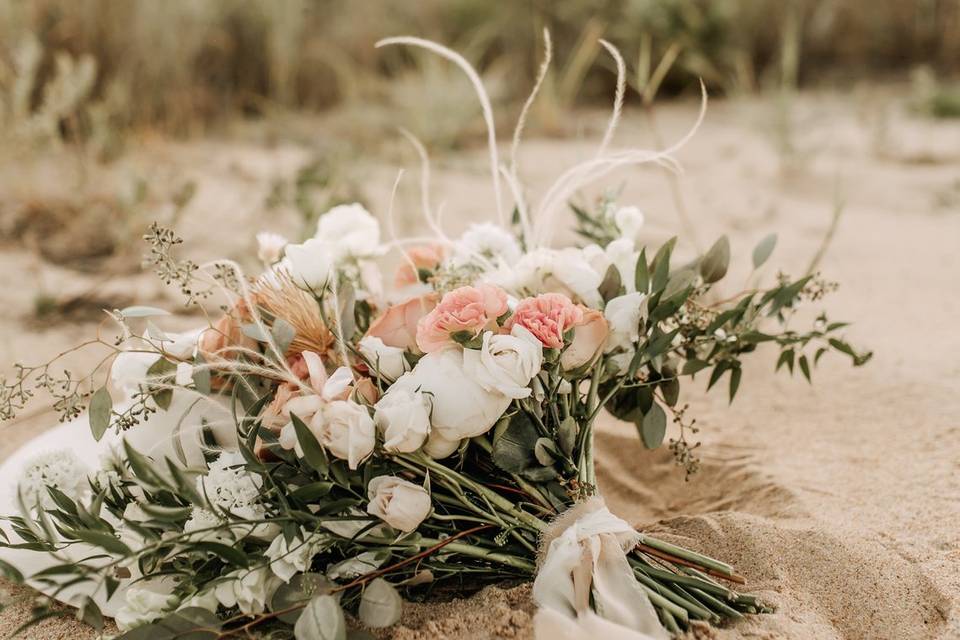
588,556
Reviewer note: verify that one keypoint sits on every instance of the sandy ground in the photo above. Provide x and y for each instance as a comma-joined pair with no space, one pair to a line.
839,502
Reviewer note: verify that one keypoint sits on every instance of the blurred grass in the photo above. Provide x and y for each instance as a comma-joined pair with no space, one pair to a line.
92,68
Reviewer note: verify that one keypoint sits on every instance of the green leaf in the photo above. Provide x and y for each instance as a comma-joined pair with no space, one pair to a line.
679,282
735,375
321,620
255,332
312,451
311,492
89,613
162,371
642,273
142,312
653,427
611,286
661,265
804,367
716,261
228,554
101,408
763,250
670,387
201,375
545,451
380,604
568,435
283,334
106,541
191,623
513,448
10,572
302,588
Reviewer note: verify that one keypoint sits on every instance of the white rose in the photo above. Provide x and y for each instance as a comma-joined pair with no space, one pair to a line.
629,221
146,601
401,504
389,361
403,416
574,272
623,314
311,264
461,407
346,430
249,590
505,363
438,447
270,246
622,253
288,559
351,230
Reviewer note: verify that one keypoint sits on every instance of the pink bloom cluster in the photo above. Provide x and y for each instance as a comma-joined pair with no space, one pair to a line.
467,309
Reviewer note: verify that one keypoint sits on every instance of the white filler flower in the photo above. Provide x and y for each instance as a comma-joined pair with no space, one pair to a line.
61,469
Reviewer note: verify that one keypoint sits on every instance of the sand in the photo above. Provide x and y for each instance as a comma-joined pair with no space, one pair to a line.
839,502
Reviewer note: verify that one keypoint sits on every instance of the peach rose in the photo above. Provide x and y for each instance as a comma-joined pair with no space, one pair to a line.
225,339
397,327
467,309
547,316
589,337
427,257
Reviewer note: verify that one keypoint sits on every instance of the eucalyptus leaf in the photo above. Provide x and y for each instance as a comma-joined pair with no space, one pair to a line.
322,619
545,451
568,435
302,588
611,285
513,448
101,408
283,334
763,250
716,261
380,605
653,427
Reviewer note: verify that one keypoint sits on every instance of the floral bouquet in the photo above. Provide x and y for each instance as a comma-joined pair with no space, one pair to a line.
327,445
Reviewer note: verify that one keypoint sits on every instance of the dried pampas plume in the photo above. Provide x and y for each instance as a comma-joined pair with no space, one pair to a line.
279,297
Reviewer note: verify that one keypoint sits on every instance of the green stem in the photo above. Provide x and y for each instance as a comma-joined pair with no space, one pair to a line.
484,554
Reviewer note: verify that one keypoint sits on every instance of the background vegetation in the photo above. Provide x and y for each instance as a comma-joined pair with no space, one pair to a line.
92,67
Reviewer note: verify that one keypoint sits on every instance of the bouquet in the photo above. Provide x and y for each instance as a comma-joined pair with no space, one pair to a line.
329,445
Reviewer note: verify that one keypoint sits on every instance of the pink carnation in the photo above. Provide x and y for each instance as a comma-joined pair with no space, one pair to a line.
469,309
548,317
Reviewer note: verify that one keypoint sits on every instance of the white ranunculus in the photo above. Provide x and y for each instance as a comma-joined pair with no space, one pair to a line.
623,254
623,314
350,230
248,589
288,559
270,246
311,264
346,430
461,407
403,416
489,241
389,361
576,273
146,601
400,503
505,363
629,221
